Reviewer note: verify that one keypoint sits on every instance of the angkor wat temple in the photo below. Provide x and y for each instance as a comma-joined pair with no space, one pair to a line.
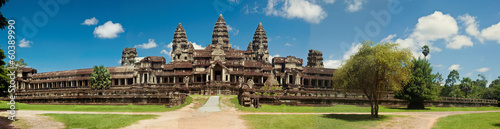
216,69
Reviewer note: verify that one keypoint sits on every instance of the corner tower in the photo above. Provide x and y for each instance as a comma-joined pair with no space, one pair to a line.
182,50
259,44
315,59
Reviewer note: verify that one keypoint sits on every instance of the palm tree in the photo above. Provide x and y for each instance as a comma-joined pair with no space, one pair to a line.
100,78
425,50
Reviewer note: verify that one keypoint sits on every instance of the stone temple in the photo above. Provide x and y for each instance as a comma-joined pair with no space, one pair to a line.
216,69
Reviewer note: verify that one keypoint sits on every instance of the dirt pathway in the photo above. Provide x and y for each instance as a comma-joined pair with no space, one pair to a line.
210,116
227,118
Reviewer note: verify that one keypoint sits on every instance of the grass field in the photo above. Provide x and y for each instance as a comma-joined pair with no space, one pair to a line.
97,108
470,121
331,121
98,121
350,108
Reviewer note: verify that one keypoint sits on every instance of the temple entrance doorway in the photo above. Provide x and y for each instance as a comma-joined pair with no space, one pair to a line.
218,73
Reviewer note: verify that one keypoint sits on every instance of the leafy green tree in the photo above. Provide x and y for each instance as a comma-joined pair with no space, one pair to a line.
18,64
481,83
493,91
3,20
450,90
425,51
100,78
4,79
375,70
421,87
466,86
453,77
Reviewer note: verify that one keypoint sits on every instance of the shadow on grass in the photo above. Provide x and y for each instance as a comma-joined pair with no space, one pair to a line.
399,108
496,125
5,123
355,117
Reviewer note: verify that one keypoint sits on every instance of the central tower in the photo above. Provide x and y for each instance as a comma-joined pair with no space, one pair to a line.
220,35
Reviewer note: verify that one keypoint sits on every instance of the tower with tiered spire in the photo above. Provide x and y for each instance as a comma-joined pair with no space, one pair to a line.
220,33
182,50
259,45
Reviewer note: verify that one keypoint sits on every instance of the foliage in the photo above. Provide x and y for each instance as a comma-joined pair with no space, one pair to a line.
100,78
98,121
4,79
3,21
375,70
469,121
17,64
97,108
466,86
493,91
453,77
421,87
425,50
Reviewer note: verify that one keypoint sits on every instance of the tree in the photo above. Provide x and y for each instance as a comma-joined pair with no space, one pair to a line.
4,79
453,77
466,86
17,64
3,21
493,91
375,70
481,83
425,51
100,78
421,87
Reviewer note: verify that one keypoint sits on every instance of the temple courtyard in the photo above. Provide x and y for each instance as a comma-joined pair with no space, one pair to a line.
219,112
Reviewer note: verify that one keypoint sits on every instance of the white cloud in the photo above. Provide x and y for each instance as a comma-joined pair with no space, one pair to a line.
435,26
439,66
272,56
353,50
388,38
454,67
197,46
108,30
329,1
148,45
233,30
459,41
25,43
354,5
483,69
165,52
472,25
332,63
288,44
120,61
469,74
294,39
490,33
302,9
92,21
429,29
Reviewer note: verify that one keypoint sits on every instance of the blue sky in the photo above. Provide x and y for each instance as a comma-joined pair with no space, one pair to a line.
463,35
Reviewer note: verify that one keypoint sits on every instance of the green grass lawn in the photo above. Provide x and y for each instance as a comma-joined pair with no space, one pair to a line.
98,121
350,108
97,108
331,121
470,121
